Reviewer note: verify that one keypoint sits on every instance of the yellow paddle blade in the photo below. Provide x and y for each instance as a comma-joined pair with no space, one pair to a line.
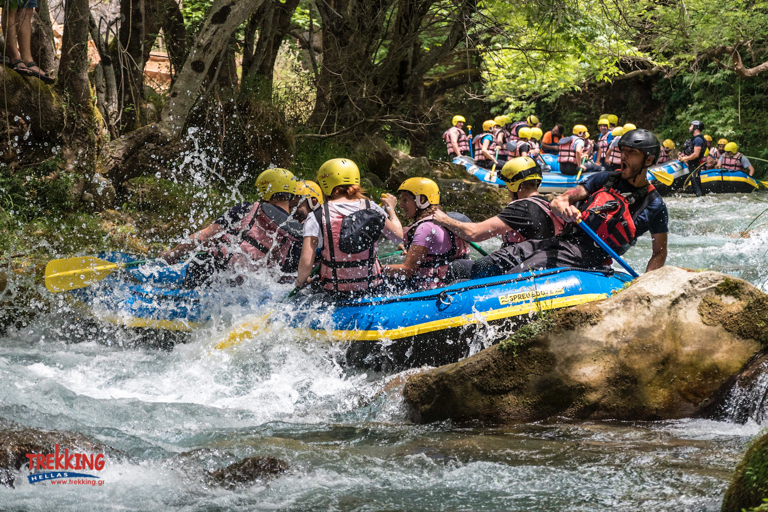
72,273
764,183
242,332
663,177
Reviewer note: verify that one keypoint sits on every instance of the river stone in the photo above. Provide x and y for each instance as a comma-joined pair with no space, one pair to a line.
660,349
749,485
16,443
248,471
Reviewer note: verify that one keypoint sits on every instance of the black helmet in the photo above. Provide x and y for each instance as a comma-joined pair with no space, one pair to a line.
643,140
697,125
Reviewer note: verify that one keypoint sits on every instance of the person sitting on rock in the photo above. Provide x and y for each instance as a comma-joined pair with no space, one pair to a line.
618,206
346,229
248,236
526,217
732,160
429,248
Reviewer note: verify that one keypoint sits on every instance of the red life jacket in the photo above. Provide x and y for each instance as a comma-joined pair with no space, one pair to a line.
613,215
732,163
663,156
462,141
715,153
535,149
340,271
614,157
602,147
516,153
567,150
433,269
512,237
515,128
261,238
477,143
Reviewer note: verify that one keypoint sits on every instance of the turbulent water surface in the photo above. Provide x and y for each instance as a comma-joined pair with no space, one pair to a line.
172,416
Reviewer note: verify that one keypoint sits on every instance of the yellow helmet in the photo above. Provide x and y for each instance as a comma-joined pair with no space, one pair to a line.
603,122
518,170
614,120
669,144
579,129
524,132
536,133
273,181
458,119
722,142
708,138
629,127
335,172
532,120
618,131
306,188
586,135
500,120
731,147
488,125
422,187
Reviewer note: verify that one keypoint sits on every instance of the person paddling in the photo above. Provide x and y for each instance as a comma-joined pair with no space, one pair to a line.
665,154
618,206
486,146
308,198
715,153
526,217
572,151
346,229
247,236
429,247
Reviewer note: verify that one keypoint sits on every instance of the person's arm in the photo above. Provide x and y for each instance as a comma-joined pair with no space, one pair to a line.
307,260
454,134
562,205
484,149
692,156
415,255
393,229
580,154
525,152
659,248
198,240
751,170
547,144
472,231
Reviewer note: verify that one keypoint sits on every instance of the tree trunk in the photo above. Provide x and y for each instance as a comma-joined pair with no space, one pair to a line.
175,34
73,70
131,58
42,39
223,19
106,90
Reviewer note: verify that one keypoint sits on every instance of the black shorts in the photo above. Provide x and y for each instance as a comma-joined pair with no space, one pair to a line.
569,169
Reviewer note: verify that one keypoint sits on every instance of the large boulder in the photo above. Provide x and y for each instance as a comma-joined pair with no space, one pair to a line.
749,486
660,349
247,472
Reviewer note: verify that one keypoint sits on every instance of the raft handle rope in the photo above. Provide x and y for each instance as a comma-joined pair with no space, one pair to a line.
445,299
438,296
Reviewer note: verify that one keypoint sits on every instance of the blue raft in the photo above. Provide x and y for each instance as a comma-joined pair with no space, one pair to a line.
438,326
429,327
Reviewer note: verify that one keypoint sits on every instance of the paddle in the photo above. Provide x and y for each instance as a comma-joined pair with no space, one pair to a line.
248,328
478,248
581,168
605,247
662,177
72,273
471,146
496,160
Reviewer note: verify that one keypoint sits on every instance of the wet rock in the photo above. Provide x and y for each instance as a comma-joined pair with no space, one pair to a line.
745,397
749,486
660,349
17,442
247,471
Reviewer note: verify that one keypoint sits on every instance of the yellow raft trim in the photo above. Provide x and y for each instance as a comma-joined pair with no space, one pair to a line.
751,181
135,322
459,321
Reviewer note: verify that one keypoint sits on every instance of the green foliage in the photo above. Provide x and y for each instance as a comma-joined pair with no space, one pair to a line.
543,323
312,153
194,12
29,193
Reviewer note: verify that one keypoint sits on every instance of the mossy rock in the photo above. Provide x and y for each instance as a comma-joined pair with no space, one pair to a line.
749,486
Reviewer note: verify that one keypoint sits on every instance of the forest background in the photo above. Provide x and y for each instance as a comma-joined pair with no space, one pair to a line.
105,158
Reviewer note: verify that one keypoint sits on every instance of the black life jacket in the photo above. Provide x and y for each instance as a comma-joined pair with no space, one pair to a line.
613,214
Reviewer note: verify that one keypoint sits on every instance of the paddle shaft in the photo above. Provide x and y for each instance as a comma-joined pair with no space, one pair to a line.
581,168
607,249
478,248
471,146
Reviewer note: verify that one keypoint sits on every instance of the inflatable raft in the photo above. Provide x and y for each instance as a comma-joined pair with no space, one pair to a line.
438,326
713,181
430,327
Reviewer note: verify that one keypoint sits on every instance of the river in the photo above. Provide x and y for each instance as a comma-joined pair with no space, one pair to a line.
346,435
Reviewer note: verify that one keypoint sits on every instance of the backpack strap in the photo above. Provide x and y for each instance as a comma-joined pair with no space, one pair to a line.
329,242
